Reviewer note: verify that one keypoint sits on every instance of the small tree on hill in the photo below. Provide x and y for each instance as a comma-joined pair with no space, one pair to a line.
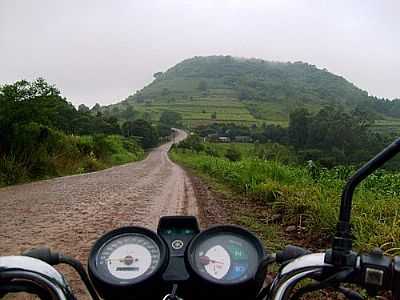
171,118
203,86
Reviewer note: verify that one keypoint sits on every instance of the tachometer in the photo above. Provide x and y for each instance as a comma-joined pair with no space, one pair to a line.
226,261
226,257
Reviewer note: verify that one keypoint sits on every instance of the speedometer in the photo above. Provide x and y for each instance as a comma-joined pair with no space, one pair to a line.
129,256
127,260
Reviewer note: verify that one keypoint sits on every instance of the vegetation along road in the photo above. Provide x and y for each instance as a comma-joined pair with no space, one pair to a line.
68,214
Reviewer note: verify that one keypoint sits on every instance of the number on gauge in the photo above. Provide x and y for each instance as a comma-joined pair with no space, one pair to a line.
129,256
226,258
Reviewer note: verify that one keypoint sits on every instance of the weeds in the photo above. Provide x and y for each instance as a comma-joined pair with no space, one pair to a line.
311,202
57,154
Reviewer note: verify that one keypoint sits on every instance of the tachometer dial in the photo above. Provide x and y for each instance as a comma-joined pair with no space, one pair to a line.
216,261
225,255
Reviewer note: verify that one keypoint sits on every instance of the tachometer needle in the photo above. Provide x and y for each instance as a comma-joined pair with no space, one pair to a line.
205,260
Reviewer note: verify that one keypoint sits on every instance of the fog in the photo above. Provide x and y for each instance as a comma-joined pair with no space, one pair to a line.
103,51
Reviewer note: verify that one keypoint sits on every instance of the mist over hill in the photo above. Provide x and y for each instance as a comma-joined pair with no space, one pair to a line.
255,79
267,90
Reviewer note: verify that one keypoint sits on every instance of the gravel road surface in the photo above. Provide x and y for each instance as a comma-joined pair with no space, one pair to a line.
69,213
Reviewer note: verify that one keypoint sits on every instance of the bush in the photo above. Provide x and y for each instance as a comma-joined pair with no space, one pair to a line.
42,152
233,154
212,151
11,170
193,142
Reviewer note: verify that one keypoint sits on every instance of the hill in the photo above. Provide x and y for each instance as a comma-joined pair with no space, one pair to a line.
229,89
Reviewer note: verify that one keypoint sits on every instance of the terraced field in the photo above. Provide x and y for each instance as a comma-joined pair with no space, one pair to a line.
202,109
391,125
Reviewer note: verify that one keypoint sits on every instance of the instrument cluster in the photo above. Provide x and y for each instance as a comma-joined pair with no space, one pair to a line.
142,261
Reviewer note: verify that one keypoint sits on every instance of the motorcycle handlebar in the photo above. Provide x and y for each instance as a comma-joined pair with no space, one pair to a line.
373,271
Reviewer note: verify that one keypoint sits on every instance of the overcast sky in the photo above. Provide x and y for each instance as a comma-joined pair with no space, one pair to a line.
104,50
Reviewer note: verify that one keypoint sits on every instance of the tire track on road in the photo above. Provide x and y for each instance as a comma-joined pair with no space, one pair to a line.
69,213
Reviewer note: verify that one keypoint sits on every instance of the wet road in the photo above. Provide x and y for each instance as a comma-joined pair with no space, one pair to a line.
69,213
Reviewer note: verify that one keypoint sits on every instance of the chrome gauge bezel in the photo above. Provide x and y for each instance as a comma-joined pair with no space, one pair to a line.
101,277
232,230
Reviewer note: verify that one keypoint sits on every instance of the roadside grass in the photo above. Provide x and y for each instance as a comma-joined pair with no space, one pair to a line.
61,155
249,215
310,204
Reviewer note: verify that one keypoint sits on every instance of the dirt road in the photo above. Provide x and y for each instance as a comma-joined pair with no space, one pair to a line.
69,213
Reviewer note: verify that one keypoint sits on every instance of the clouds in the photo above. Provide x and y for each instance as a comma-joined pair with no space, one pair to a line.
102,51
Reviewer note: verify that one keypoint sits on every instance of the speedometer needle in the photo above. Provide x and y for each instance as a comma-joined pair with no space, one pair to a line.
127,260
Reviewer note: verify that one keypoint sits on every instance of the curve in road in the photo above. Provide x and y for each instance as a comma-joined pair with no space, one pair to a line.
69,213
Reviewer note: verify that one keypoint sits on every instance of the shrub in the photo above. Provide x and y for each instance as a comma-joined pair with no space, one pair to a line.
233,154
11,170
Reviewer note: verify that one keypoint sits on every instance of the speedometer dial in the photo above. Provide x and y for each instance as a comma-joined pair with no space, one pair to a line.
129,256
127,261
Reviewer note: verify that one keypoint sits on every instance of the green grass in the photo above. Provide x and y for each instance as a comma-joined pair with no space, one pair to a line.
63,154
313,203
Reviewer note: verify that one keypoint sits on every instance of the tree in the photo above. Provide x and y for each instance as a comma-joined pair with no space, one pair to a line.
83,108
298,127
141,129
193,142
171,118
165,92
157,75
203,86
147,116
130,113
96,108
275,133
244,94
214,116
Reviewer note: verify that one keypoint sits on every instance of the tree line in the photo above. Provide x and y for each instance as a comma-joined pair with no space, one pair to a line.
42,134
331,136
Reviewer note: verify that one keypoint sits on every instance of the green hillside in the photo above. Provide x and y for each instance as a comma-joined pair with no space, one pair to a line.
228,89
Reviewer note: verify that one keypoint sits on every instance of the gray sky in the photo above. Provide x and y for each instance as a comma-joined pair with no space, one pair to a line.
104,50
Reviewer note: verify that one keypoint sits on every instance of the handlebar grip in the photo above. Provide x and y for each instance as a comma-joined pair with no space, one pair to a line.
289,253
396,278
44,254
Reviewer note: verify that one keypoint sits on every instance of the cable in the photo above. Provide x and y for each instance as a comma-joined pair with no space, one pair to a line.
327,283
77,265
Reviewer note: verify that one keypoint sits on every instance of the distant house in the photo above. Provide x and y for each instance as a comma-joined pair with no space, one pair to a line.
224,139
243,139
212,137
